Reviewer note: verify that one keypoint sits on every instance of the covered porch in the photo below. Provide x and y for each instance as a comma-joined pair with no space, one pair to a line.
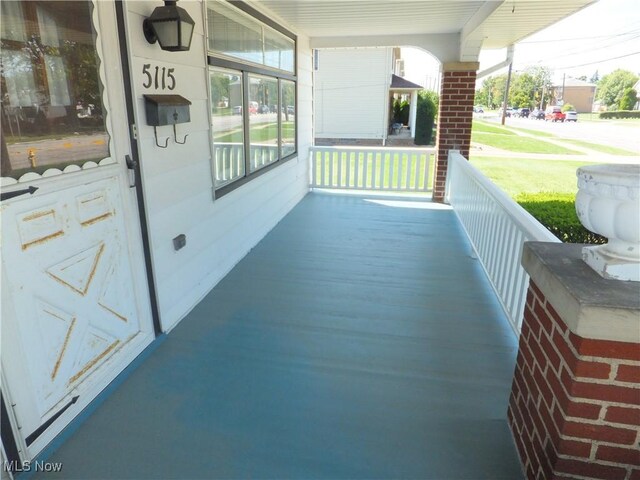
359,339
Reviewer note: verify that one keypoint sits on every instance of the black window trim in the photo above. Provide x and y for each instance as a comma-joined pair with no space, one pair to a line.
214,59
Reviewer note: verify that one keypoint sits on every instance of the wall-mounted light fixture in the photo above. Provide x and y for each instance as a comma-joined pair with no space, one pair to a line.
171,26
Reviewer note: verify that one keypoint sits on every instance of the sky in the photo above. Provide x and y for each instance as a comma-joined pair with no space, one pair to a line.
604,36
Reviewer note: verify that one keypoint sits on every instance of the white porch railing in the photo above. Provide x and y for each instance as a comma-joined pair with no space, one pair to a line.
497,227
371,168
229,160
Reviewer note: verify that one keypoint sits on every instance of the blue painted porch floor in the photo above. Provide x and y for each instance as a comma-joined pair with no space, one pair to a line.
359,339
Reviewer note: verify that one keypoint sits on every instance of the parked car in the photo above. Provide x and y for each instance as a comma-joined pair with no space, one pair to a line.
253,107
478,109
263,109
524,112
537,114
237,110
571,116
554,113
290,110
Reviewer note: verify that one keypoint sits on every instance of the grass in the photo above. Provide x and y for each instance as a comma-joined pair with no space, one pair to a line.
545,188
523,175
537,133
479,126
514,143
601,148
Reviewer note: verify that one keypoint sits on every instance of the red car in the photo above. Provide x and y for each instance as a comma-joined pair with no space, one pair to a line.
554,114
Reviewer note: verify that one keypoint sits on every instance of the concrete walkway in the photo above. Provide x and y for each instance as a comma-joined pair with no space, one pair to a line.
360,339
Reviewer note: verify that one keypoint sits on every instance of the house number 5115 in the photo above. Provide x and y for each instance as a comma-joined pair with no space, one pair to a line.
159,78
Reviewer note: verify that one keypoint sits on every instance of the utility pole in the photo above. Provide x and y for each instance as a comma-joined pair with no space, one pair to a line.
506,94
563,78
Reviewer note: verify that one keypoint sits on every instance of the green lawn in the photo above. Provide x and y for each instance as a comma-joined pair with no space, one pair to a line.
484,127
537,133
601,148
515,143
523,175
545,188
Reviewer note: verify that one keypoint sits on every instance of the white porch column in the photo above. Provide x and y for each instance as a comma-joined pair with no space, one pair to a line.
413,108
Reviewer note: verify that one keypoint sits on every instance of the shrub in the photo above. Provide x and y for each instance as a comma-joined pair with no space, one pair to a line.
628,99
401,111
567,106
557,212
433,96
425,116
620,114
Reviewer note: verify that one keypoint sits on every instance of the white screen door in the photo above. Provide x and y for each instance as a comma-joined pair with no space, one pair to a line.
75,305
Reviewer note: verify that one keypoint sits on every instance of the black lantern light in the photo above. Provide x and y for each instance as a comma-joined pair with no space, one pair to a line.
171,26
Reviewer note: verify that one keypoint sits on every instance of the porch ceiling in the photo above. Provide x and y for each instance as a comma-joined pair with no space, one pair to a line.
475,24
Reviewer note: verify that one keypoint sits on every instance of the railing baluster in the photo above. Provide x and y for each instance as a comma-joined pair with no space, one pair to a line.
498,228
374,166
347,181
407,160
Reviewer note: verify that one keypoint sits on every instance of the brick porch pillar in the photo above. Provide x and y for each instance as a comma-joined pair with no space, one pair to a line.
574,409
455,112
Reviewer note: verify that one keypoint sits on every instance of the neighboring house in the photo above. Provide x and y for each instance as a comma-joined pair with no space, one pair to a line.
353,94
135,178
578,93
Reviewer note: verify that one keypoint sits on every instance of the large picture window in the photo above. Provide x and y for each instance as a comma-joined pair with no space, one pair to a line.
253,93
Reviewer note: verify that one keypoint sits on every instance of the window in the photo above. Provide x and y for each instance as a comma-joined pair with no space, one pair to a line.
227,125
253,93
51,91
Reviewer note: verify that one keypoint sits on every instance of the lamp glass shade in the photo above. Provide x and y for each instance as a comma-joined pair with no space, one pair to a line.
167,33
186,32
172,26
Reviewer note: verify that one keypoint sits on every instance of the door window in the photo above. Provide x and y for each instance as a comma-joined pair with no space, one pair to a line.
51,94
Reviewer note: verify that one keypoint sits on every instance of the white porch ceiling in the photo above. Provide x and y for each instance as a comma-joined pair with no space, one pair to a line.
430,24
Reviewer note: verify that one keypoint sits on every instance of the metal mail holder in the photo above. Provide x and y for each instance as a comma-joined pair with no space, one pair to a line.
164,110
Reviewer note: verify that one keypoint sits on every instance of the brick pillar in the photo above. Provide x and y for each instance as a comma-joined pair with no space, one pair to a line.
574,406
455,112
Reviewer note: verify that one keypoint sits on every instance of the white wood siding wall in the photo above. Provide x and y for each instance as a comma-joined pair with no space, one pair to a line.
351,93
178,180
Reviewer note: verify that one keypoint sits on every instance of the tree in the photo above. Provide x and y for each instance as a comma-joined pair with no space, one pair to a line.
542,84
527,89
628,99
613,85
567,107
491,92
595,78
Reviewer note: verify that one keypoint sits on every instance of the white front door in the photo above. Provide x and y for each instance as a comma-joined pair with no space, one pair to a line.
75,306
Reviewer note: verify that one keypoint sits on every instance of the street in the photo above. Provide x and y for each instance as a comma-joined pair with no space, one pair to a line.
614,134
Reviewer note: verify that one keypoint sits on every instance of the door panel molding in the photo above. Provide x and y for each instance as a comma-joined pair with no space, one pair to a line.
75,307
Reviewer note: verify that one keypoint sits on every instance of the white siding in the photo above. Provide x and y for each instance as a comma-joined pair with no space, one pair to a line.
178,181
352,93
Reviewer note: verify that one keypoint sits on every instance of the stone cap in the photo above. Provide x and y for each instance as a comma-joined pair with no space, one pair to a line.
591,306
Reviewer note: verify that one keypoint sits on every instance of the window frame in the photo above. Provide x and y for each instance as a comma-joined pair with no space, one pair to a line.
218,60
